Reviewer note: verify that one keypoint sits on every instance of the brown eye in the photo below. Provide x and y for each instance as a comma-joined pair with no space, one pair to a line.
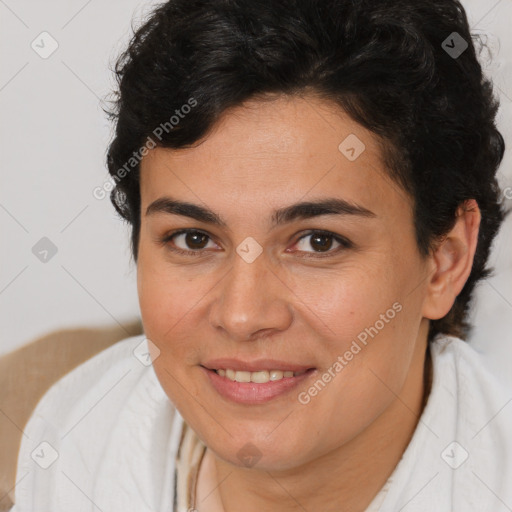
187,241
322,242
195,240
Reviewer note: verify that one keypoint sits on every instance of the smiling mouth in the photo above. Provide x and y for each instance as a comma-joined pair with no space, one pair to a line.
255,387
258,377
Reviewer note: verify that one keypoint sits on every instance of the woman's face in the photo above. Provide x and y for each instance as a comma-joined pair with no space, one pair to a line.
269,285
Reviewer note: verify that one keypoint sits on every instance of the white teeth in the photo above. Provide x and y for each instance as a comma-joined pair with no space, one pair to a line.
276,375
243,376
259,377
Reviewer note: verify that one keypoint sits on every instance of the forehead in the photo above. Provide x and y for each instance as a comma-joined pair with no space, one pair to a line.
274,152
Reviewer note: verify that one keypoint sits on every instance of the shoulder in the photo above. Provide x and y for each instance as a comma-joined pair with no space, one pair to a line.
85,421
28,372
97,373
470,371
460,455
464,375
480,451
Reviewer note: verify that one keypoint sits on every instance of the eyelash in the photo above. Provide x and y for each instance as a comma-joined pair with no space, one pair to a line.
344,243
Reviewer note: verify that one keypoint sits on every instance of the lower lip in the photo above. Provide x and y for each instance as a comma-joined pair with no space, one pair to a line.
252,392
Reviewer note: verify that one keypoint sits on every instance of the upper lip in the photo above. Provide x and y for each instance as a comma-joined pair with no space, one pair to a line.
254,366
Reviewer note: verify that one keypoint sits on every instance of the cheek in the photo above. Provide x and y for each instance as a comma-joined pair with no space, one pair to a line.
173,309
165,295
368,331
360,381
167,303
342,302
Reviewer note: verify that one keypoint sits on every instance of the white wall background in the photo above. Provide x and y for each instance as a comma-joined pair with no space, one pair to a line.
54,135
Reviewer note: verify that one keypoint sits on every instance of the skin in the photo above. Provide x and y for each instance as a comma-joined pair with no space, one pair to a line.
335,452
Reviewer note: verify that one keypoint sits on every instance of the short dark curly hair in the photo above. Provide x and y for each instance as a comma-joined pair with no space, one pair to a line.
386,63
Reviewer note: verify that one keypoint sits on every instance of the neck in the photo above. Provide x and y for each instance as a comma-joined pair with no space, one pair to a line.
346,479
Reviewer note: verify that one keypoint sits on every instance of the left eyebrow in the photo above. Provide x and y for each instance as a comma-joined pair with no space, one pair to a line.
302,210
310,209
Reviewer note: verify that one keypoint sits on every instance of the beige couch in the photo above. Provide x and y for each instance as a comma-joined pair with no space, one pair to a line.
27,373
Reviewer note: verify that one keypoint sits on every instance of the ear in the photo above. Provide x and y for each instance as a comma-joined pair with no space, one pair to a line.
451,262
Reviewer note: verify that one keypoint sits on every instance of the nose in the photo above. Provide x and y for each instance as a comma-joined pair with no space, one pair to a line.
251,301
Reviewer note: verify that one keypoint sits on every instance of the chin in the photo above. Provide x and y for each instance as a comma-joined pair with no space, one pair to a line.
255,449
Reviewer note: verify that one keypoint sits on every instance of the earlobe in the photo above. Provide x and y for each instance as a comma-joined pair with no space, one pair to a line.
451,262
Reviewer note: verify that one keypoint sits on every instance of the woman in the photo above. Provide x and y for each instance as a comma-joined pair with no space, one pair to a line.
312,197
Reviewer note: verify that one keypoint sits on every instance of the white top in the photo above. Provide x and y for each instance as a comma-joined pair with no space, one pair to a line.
106,438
